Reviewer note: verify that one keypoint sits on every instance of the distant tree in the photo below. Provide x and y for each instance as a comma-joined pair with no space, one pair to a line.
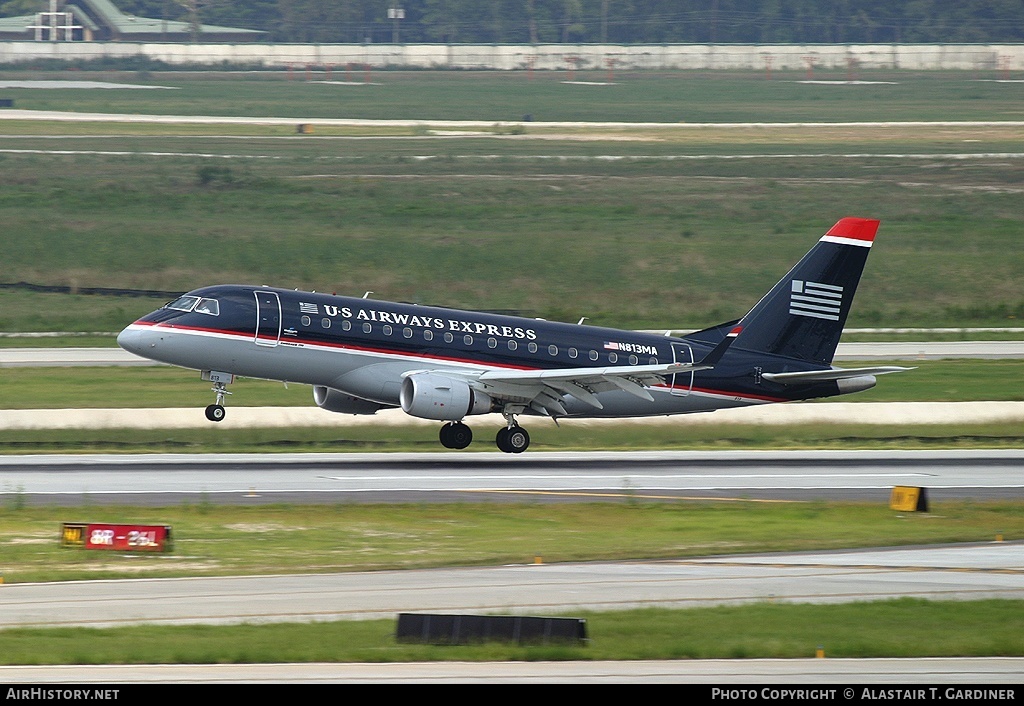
618,21
328,20
13,8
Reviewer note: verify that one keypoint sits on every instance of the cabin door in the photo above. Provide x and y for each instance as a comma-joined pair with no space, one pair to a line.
268,318
681,383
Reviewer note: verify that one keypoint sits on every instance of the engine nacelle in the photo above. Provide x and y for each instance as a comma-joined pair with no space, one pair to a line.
433,396
337,401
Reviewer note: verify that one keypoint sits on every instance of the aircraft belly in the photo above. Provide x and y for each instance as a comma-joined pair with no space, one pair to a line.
373,379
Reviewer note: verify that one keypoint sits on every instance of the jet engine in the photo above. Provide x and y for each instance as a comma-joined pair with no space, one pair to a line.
433,396
337,401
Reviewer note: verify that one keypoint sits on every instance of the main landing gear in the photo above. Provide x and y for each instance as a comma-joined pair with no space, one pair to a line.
511,439
456,435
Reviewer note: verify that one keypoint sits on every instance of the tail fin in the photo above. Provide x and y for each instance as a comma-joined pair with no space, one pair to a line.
803,316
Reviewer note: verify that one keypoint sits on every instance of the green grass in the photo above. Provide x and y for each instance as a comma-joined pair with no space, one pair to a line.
571,436
894,629
164,386
696,96
645,253
230,540
622,227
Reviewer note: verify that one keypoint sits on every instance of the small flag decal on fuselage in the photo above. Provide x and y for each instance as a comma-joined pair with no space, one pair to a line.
307,308
815,299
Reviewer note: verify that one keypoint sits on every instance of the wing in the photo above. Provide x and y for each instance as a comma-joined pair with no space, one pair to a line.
543,390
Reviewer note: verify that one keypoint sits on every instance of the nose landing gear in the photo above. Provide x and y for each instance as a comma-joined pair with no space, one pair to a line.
216,412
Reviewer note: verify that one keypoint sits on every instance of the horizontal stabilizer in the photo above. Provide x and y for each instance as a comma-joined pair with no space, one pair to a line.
833,374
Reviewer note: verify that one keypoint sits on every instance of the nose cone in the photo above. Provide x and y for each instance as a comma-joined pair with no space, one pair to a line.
131,340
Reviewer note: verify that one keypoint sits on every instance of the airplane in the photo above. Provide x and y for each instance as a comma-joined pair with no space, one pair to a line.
362,355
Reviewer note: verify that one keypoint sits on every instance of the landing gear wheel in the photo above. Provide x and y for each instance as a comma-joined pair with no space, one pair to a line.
455,435
512,440
501,440
215,412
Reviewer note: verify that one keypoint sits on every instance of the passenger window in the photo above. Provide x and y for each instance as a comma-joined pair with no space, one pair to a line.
448,337
593,355
572,352
325,322
467,339
367,328
512,345
633,360
492,343
553,349
306,321
612,357
387,329
407,332
346,325
428,335
532,347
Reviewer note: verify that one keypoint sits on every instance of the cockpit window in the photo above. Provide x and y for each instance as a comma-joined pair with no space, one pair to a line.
185,303
208,306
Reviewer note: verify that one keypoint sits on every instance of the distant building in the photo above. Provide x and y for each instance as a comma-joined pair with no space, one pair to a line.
101,21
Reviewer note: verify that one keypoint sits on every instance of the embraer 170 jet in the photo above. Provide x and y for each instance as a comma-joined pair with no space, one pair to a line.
362,355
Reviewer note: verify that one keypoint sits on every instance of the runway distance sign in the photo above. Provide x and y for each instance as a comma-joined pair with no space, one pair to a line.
146,538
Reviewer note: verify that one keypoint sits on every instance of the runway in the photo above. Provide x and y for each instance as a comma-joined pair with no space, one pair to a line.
748,476
941,673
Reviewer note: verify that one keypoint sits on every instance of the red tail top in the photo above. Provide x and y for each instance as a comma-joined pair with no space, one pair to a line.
855,229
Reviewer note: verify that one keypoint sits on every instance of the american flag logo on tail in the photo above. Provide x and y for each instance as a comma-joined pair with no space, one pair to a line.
815,299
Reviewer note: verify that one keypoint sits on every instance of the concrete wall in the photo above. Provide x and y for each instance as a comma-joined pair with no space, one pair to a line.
557,57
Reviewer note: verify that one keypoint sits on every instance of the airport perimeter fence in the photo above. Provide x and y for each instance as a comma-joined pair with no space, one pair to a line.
353,61
74,289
